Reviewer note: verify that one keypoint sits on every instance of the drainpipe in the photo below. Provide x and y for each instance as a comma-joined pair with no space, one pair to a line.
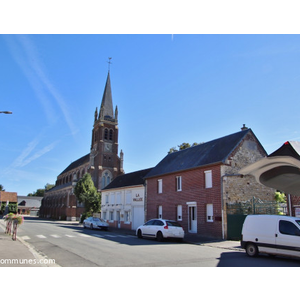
222,200
290,205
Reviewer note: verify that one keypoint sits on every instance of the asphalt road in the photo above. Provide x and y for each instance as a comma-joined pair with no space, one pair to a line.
73,246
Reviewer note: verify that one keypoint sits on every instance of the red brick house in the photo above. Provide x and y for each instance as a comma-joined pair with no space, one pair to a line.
193,185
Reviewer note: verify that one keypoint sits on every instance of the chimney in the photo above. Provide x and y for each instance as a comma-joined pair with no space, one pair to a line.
244,127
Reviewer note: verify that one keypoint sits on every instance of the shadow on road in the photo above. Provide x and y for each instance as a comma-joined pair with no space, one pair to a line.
234,259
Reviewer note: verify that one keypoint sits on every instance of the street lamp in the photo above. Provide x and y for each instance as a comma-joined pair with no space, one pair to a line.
6,112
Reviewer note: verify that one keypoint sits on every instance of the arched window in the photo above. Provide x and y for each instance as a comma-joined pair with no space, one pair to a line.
106,178
106,134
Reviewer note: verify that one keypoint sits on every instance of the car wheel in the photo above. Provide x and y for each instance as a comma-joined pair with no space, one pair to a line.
160,236
84,225
139,234
251,250
91,226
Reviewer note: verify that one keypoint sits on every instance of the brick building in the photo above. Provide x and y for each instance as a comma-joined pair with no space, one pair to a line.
103,163
193,185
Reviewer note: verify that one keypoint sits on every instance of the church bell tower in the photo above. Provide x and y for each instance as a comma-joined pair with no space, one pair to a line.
105,164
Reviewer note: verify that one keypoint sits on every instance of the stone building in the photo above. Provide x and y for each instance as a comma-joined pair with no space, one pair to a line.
193,186
103,163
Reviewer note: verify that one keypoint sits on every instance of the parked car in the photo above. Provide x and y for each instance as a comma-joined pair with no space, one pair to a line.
160,229
95,223
271,234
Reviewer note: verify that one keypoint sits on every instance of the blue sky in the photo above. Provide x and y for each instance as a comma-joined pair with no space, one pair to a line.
169,89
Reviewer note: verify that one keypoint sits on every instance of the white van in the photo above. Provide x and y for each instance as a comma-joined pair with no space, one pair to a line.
272,234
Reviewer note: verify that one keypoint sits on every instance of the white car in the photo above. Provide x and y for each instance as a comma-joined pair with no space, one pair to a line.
160,229
95,223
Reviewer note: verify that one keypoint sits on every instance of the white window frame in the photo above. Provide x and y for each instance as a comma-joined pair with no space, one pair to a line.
160,212
208,179
209,212
111,216
179,212
127,216
159,186
178,183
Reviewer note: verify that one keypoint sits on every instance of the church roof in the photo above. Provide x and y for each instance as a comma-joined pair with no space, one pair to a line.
215,151
107,104
130,179
75,164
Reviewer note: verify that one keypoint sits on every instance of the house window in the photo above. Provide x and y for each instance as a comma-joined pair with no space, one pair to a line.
104,215
208,179
106,199
118,198
179,212
159,185
112,198
111,216
178,183
160,212
209,213
128,197
127,216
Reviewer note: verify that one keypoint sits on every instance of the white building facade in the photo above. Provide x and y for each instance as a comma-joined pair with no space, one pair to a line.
123,201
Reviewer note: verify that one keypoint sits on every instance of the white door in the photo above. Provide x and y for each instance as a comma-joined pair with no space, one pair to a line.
192,218
288,238
118,219
138,217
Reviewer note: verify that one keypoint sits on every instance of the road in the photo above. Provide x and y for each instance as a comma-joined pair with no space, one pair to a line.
73,246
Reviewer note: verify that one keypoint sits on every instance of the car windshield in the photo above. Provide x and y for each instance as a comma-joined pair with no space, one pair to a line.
96,219
173,223
298,222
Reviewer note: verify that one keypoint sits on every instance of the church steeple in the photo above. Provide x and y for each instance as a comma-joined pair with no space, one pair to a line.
106,110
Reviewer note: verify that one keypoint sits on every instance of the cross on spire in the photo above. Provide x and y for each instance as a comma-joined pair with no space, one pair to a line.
109,63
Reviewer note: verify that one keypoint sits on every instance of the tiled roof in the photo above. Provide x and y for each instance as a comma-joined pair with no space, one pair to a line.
81,161
130,179
215,151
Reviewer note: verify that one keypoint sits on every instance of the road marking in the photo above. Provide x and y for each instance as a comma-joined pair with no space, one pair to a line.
108,235
70,236
123,236
97,235
83,235
25,237
40,236
55,236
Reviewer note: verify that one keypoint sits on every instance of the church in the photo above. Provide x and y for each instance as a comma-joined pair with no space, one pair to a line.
103,163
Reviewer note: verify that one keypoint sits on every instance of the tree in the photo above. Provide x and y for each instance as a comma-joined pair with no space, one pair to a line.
41,192
182,147
87,194
2,188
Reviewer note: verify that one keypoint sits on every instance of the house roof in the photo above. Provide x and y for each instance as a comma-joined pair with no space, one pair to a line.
81,161
130,179
215,151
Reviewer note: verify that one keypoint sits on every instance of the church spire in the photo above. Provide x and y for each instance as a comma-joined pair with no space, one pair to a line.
106,104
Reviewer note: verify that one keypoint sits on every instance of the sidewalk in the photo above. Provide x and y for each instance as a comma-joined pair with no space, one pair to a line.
19,253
